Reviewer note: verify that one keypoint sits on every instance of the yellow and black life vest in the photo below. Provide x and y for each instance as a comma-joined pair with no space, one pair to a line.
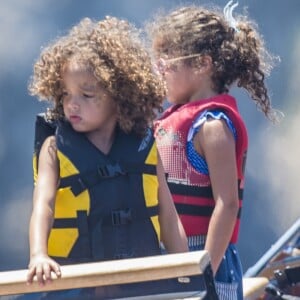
106,205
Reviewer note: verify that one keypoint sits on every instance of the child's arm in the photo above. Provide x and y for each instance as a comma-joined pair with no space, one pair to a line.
217,145
41,265
172,232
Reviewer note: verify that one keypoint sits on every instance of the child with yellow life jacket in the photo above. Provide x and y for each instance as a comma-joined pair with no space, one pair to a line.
100,191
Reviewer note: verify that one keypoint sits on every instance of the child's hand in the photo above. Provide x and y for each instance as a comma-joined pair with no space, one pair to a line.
42,266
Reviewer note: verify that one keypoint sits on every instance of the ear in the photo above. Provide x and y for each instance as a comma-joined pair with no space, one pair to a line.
204,65
205,62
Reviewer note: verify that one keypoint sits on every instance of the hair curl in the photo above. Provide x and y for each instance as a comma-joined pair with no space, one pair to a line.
238,54
113,50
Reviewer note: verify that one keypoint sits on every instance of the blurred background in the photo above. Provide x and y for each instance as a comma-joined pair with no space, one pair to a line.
271,203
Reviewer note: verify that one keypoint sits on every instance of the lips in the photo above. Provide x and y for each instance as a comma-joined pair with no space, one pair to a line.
74,119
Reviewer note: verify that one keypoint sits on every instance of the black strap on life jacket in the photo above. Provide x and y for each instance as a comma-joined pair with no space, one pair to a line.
195,210
81,182
116,218
197,191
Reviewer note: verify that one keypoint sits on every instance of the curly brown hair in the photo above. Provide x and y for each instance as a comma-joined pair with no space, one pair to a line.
114,51
238,54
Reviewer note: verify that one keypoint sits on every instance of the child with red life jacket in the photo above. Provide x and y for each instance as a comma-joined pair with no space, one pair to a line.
200,53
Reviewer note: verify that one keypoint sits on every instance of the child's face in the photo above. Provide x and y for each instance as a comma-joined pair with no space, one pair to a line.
86,105
184,82
180,81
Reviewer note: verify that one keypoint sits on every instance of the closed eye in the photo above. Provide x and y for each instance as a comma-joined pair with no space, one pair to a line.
88,95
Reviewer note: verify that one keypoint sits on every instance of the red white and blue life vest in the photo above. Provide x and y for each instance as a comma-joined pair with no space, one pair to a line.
191,189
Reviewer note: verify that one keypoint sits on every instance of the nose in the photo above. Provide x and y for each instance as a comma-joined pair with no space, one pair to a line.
73,104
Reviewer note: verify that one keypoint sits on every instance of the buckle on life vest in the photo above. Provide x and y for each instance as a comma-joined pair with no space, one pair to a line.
109,171
121,217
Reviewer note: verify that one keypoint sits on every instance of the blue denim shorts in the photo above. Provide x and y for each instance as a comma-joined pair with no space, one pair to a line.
229,277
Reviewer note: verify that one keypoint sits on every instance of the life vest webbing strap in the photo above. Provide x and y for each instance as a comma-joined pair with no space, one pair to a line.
126,216
139,168
121,217
152,210
79,221
195,210
65,223
83,229
196,191
116,217
83,181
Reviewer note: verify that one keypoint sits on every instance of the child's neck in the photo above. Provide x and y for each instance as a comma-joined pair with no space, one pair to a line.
203,94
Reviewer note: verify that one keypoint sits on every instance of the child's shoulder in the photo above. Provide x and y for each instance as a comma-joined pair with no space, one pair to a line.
50,142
